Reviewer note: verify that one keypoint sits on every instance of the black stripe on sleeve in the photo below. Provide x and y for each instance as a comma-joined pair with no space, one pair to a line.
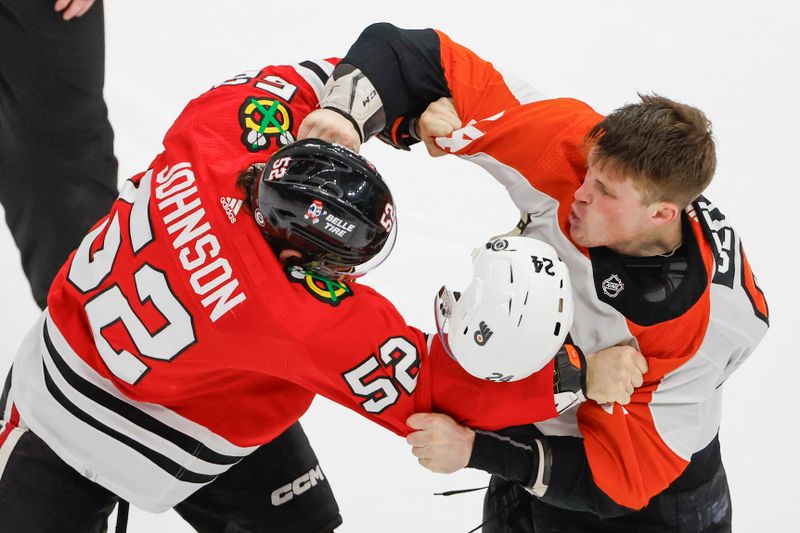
165,463
131,413
316,69
4,396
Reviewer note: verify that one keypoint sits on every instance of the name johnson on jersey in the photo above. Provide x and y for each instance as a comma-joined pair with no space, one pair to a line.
210,274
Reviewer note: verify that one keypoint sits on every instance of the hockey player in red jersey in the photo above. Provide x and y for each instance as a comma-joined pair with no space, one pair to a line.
654,264
178,342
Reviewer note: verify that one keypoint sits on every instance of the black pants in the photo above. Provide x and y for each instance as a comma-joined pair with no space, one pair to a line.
58,173
39,493
702,509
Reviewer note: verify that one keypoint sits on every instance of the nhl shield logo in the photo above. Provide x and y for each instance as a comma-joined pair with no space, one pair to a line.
612,286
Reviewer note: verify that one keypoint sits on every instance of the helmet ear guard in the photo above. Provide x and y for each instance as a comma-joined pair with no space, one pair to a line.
514,315
330,204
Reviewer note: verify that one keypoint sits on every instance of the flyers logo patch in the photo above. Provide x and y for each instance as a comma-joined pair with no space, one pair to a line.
320,287
263,119
483,334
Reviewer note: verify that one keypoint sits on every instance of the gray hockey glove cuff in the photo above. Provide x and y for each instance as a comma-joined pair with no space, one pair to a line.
349,92
569,377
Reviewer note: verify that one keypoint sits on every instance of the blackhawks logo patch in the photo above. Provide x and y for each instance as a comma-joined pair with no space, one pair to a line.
320,287
263,119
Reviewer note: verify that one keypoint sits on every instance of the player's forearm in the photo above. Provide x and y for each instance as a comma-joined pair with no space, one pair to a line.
553,469
404,66
482,404
499,454
381,86
556,469
571,482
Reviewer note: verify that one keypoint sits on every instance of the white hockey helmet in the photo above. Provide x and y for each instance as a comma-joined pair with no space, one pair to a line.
514,315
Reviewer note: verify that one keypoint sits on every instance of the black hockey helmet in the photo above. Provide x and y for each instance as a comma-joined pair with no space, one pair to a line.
330,204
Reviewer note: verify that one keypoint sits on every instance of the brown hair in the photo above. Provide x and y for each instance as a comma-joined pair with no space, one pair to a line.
666,147
246,180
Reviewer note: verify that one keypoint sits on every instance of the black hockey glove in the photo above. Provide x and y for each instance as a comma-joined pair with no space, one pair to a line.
569,377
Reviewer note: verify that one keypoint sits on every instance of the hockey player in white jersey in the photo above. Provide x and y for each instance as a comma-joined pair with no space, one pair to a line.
653,262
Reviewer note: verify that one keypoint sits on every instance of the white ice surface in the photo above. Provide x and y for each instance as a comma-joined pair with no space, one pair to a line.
736,60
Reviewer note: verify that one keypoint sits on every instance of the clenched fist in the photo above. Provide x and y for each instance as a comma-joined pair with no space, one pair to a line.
612,374
330,126
441,444
440,119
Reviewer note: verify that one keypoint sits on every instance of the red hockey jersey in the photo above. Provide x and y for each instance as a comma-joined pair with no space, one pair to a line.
175,343
535,148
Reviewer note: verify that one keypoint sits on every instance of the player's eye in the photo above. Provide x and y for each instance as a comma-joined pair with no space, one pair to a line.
603,190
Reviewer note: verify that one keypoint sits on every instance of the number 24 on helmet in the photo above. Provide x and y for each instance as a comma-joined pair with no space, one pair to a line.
514,315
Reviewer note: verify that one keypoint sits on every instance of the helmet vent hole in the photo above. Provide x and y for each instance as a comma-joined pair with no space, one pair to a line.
561,305
519,321
526,298
466,329
511,272
561,286
558,329
509,307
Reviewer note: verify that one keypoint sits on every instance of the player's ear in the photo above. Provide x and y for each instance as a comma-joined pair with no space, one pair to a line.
288,256
663,213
